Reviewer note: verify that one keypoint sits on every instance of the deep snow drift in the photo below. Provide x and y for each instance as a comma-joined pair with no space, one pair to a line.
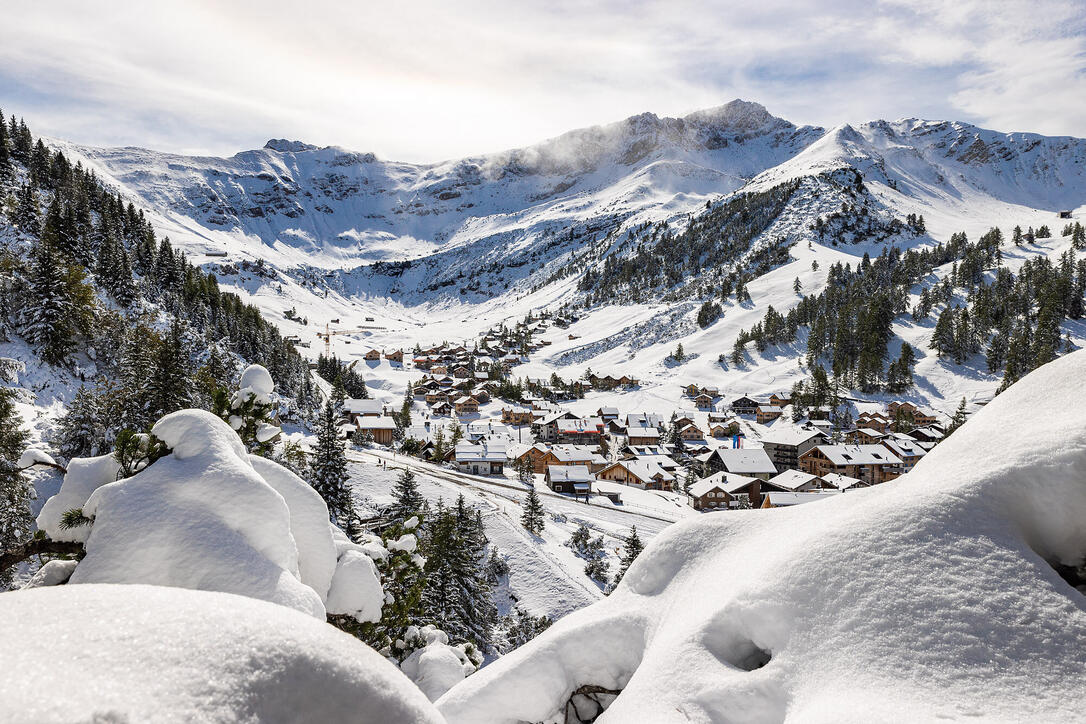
148,653
927,597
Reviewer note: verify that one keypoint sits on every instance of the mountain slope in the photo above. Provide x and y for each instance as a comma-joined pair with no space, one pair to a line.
639,222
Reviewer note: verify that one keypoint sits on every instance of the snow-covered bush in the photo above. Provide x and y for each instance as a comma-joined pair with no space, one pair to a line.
434,665
935,596
591,550
251,410
208,515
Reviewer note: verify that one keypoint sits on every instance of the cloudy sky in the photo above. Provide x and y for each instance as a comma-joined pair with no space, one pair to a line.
424,81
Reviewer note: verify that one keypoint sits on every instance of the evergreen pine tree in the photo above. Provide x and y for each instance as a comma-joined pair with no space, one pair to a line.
408,501
82,432
958,420
6,169
630,551
27,216
15,491
48,325
171,383
532,517
328,468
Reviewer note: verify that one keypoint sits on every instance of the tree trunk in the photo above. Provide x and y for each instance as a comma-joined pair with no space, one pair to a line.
35,547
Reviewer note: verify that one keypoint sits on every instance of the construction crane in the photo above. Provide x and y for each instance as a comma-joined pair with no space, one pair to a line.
328,333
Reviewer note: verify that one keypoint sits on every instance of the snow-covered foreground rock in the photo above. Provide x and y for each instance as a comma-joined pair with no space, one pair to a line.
149,653
927,597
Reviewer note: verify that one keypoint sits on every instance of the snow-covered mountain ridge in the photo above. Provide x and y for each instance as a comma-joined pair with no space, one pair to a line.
444,250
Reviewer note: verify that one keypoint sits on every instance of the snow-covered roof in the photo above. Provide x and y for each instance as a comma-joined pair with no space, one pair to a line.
783,500
490,451
745,460
373,422
859,455
570,474
790,435
363,407
792,479
905,448
645,469
841,482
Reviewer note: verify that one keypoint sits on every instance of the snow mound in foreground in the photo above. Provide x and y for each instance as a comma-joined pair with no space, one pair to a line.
147,653
212,517
928,597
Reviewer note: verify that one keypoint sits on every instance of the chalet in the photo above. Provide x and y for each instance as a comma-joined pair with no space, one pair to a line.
767,413
517,415
794,481
873,421
355,409
651,453
864,436
439,369
873,464
546,428
646,419
720,431
462,373
574,479
745,406
682,421
926,434
466,405
725,490
691,390
627,381
578,430
642,435
476,431
907,449
395,355
534,455
787,500
607,413
442,409
779,400
380,428
691,432
485,458
752,462
374,355
638,473
919,417
480,394
703,401
605,382
784,446
436,397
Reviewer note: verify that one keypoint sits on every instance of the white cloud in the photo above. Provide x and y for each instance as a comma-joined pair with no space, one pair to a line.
431,80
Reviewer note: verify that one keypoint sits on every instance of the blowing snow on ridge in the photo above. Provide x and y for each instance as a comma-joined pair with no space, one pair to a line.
696,416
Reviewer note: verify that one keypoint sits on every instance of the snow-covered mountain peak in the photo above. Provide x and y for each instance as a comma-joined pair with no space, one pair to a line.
284,146
738,115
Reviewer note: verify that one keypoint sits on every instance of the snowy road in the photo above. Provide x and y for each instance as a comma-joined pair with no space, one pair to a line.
544,575
606,518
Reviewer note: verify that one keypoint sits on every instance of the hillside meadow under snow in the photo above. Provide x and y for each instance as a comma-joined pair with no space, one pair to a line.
931,596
